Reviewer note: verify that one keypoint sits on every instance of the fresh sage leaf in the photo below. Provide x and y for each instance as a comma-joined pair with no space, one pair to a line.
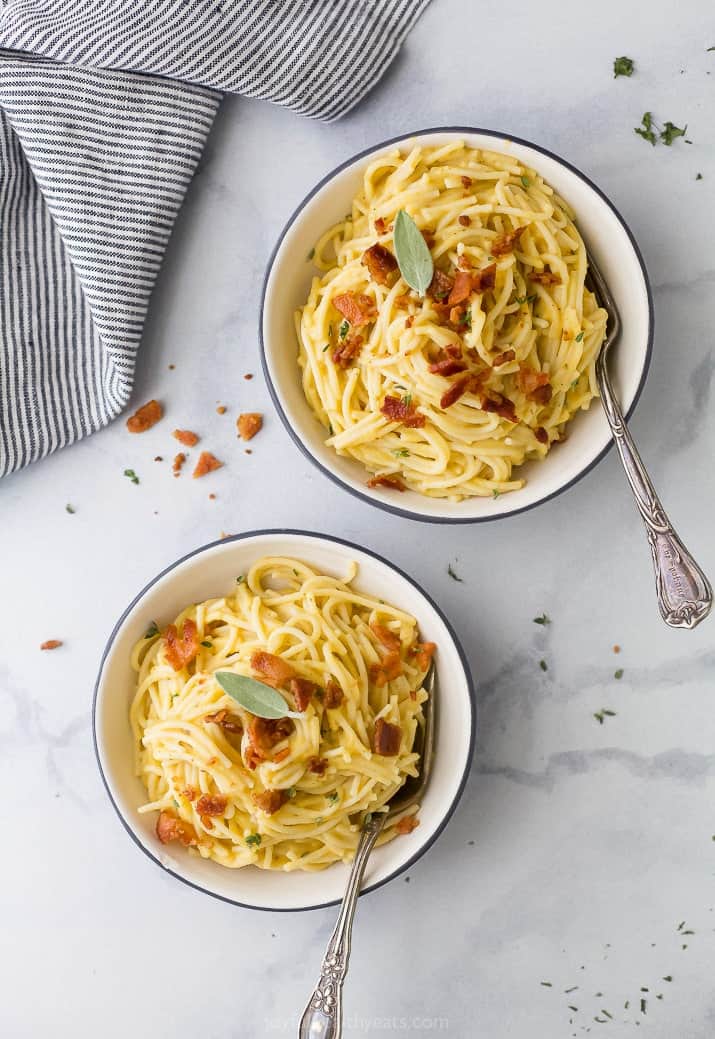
413,256
255,697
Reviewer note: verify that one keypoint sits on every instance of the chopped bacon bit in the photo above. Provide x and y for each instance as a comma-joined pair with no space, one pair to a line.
485,278
356,307
221,409
440,286
185,437
181,651
428,235
500,405
470,383
206,464
504,358
248,375
269,801
275,670
394,483
146,417
158,458
447,366
317,765
542,394
380,262
389,668
461,289
616,649
189,793
333,694
464,263
386,738
545,277
178,463
529,380
347,350
466,182
389,639
253,757
380,225
51,644
212,497
541,435
409,321
505,243
169,828
453,350
423,653
206,822
303,690
228,722
465,220
249,424
171,367
281,755
211,804
403,300
407,824
399,410
263,735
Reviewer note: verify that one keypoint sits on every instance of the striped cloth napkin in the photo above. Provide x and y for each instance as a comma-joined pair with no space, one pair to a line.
105,106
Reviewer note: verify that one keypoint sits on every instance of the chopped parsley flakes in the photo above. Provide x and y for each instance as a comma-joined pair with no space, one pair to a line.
131,475
453,574
623,67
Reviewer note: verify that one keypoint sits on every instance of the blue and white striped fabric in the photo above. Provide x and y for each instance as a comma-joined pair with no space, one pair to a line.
105,106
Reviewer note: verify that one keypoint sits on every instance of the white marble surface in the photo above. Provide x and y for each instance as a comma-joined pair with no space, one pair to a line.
578,848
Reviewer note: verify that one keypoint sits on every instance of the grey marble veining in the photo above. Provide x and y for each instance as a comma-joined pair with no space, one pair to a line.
578,848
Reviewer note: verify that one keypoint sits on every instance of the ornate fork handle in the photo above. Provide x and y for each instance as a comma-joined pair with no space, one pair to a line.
323,1017
683,590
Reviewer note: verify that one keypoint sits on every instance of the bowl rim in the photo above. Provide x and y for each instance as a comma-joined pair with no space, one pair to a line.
396,510
315,535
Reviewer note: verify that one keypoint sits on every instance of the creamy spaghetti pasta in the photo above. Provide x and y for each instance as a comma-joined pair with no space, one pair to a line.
448,393
289,793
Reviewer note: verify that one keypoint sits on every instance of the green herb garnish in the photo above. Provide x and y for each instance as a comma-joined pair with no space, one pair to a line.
543,619
132,475
526,299
413,256
546,984
698,176
151,631
311,254
255,697
670,131
579,337
240,579
332,797
455,576
326,347
495,492
207,645
543,665
407,400
645,130
622,67
604,713
618,673
343,329
71,509
525,181
292,792
253,840
466,319
401,452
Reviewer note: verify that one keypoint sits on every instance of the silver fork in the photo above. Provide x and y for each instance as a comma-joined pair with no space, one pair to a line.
323,1016
683,590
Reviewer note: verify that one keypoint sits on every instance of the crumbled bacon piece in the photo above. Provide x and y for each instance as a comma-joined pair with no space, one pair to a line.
504,358
398,409
463,262
461,289
403,300
228,722
447,366
407,824
181,651
185,437
464,220
389,639
221,409
386,738
535,385
541,435
51,644
347,350
146,417
466,182
274,670
169,828
317,765
211,804
249,424
263,735
380,225
281,755
389,668
189,793
500,405
303,690
485,278
409,321
542,394
470,383
356,307
380,262
269,801
178,463
207,463
333,694
428,235
440,286
545,277
423,653
505,243
393,483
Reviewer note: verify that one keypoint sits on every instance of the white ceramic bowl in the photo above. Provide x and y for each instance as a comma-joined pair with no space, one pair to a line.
288,281
211,571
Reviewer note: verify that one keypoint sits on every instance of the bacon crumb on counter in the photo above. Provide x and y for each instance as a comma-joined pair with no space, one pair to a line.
146,417
178,463
380,263
185,437
386,738
505,243
407,824
248,424
393,483
356,307
207,463
158,458
402,410
504,358
211,804
212,497
545,277
317,765
303,691
248,375
541,435
422,652
169,828
51,644
221,409
269,801
333,694
347,350
275,670
389,639
181,651
228,722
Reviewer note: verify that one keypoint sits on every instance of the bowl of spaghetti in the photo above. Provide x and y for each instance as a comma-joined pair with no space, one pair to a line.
262,696
428,333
